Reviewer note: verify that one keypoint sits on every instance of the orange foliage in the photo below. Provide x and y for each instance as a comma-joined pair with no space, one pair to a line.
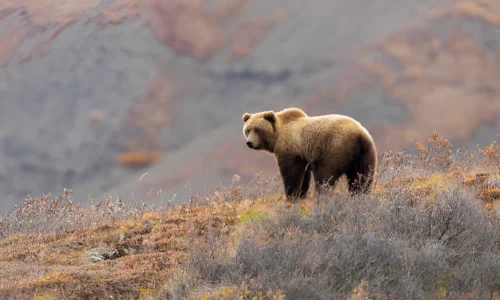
138,159
492,151
478,179
489,195
436,152
360,292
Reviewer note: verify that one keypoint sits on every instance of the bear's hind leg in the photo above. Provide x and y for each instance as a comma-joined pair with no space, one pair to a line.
361,175
305,183
354,181
324,175
296,176
359,181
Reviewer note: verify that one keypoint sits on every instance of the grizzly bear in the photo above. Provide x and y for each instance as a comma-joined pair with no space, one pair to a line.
327,146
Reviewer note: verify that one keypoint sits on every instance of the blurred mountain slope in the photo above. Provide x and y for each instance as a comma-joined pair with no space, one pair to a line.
89,92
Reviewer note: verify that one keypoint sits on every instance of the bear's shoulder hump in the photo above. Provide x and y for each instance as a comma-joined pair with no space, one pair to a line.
291,114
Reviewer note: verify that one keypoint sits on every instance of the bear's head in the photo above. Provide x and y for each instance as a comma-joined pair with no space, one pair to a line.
260,130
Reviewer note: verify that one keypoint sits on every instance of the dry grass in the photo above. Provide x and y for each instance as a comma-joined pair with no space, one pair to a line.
430,229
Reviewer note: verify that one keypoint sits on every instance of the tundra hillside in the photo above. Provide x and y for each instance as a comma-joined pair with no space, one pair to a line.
429,230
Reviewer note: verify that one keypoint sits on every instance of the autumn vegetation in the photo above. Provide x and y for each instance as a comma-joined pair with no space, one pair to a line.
429,230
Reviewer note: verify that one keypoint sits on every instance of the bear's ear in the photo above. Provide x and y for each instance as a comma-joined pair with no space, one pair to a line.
269,116
246,116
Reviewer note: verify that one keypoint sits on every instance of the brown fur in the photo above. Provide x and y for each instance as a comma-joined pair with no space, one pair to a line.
327,146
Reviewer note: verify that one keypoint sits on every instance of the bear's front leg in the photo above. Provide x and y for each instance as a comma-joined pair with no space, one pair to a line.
296,176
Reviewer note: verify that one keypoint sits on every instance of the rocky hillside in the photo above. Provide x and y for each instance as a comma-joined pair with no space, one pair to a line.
99,94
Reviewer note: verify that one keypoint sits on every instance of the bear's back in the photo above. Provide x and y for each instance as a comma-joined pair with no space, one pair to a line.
331,123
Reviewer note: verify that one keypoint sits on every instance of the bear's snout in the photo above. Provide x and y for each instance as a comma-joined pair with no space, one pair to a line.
249,144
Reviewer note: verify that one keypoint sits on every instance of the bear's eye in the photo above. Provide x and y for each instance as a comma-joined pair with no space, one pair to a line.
257,131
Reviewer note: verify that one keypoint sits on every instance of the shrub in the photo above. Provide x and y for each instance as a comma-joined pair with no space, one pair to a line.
45,215
397,243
